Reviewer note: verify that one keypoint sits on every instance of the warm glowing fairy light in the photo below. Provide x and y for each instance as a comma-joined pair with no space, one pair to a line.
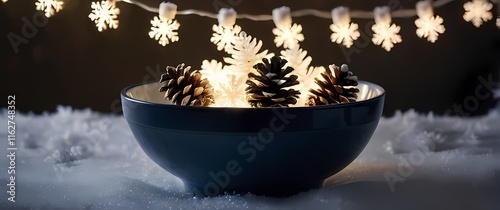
287,34
385,34
343,30
105,14
50,7
226,32
428,25
163,27
477,12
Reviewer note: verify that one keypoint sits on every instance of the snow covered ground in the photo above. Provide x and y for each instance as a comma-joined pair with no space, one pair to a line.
79,159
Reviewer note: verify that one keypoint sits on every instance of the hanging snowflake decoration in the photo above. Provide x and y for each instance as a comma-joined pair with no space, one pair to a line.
231,93
224,36
105,14
344,33
50,7
477,12
244,54
288,37
343,30
385,34
215,73
428,25
430,28
164,30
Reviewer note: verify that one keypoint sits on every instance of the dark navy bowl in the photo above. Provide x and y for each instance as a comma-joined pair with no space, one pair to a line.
264,151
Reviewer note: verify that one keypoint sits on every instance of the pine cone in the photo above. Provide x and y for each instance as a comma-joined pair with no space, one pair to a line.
184,86
333,89
267,88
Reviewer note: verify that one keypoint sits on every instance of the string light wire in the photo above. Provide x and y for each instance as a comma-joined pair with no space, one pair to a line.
359,14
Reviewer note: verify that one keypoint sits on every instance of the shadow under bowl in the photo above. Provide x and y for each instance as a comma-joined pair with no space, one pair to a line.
265,151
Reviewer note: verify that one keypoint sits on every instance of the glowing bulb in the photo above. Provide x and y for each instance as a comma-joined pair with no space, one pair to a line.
428,25
105,14
385,34
343,30
164,27
287,34
226,32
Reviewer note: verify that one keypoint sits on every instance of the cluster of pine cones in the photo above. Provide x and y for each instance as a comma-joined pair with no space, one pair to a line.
270,87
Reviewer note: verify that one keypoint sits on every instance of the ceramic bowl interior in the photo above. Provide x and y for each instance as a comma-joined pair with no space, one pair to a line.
149,92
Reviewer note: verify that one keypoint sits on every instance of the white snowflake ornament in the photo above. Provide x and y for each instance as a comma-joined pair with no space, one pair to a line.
477,12
297,59
300,62
214,72
343,30
224,36
105,14
164,30
244,54
385,33
428,25
164,27
430,28
50,7
287,35
231,92
307,82
226,32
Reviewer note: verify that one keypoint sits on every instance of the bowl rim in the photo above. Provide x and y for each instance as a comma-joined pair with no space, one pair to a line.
329,106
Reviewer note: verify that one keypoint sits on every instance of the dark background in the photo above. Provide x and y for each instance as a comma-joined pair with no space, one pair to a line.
69,62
